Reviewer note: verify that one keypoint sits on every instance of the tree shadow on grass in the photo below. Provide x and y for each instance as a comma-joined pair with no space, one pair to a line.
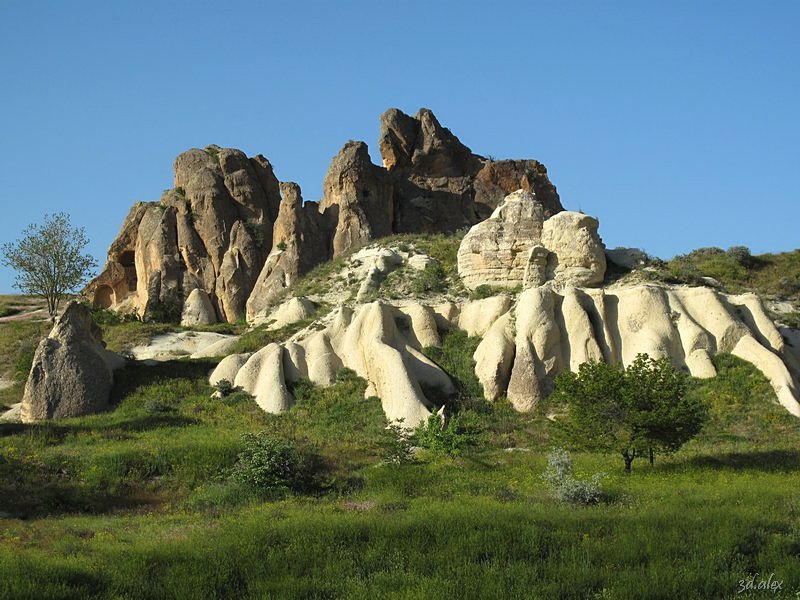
771,461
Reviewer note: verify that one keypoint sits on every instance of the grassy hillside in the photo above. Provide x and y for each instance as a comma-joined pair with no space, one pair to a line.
147,501
142,502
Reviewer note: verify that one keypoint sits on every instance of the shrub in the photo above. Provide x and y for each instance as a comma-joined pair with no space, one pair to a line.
224,387
433,278
559,477
453,438
270,464
740,254
396,445
281,246
155,406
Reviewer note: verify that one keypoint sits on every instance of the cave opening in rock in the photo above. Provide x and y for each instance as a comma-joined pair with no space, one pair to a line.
104,297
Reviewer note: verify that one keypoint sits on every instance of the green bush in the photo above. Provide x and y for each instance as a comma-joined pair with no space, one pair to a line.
453,438
433,278
270,464
396,445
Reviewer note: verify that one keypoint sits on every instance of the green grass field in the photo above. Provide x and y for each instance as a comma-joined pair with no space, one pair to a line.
140,503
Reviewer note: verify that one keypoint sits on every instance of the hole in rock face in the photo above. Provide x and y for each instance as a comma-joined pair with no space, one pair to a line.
104,297
126,259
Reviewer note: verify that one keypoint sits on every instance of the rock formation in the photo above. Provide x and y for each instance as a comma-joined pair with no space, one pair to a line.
301,240
525,344
577,255
72,372
231,229
211,232
379,342
521,244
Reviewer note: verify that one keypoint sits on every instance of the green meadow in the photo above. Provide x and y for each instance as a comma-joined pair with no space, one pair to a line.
141,502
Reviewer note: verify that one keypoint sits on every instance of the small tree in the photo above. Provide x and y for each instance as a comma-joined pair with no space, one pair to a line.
638,410
49,259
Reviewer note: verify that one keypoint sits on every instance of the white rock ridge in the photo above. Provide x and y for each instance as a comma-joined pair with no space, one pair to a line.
525,344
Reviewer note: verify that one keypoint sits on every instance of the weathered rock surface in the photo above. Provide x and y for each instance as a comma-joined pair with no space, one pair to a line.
291,311
198,310
301,241
528,342
195,344
495,251
379,342
577,255
441,185
229,228
359,194
72,372
521,245
212,232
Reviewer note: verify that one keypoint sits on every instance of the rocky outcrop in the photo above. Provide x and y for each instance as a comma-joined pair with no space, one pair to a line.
211,232
525,344
379,342
301,241
520,245
495,252
440,185
577,255
72,372
231,229
359,196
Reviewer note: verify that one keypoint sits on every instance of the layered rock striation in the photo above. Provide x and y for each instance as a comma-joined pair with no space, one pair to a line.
232,230
522,244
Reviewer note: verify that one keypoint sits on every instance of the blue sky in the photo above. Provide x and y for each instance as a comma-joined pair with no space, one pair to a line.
677,124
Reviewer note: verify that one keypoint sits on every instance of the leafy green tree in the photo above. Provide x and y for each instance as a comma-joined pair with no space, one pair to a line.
642,409
49,259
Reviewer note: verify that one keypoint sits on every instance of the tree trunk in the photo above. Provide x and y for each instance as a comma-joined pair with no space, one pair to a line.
652,456
628,457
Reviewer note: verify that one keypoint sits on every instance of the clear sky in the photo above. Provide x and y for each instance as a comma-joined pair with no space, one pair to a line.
676,123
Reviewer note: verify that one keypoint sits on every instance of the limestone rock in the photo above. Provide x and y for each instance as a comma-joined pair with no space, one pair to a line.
519,245
496,251
494,358
262,376
72,372
198,310
228,367
194,344
477,316
440,185
577,255
224,228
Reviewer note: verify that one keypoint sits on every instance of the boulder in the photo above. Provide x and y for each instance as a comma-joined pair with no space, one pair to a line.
496,251
72,372
293,310
577,255
198,310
